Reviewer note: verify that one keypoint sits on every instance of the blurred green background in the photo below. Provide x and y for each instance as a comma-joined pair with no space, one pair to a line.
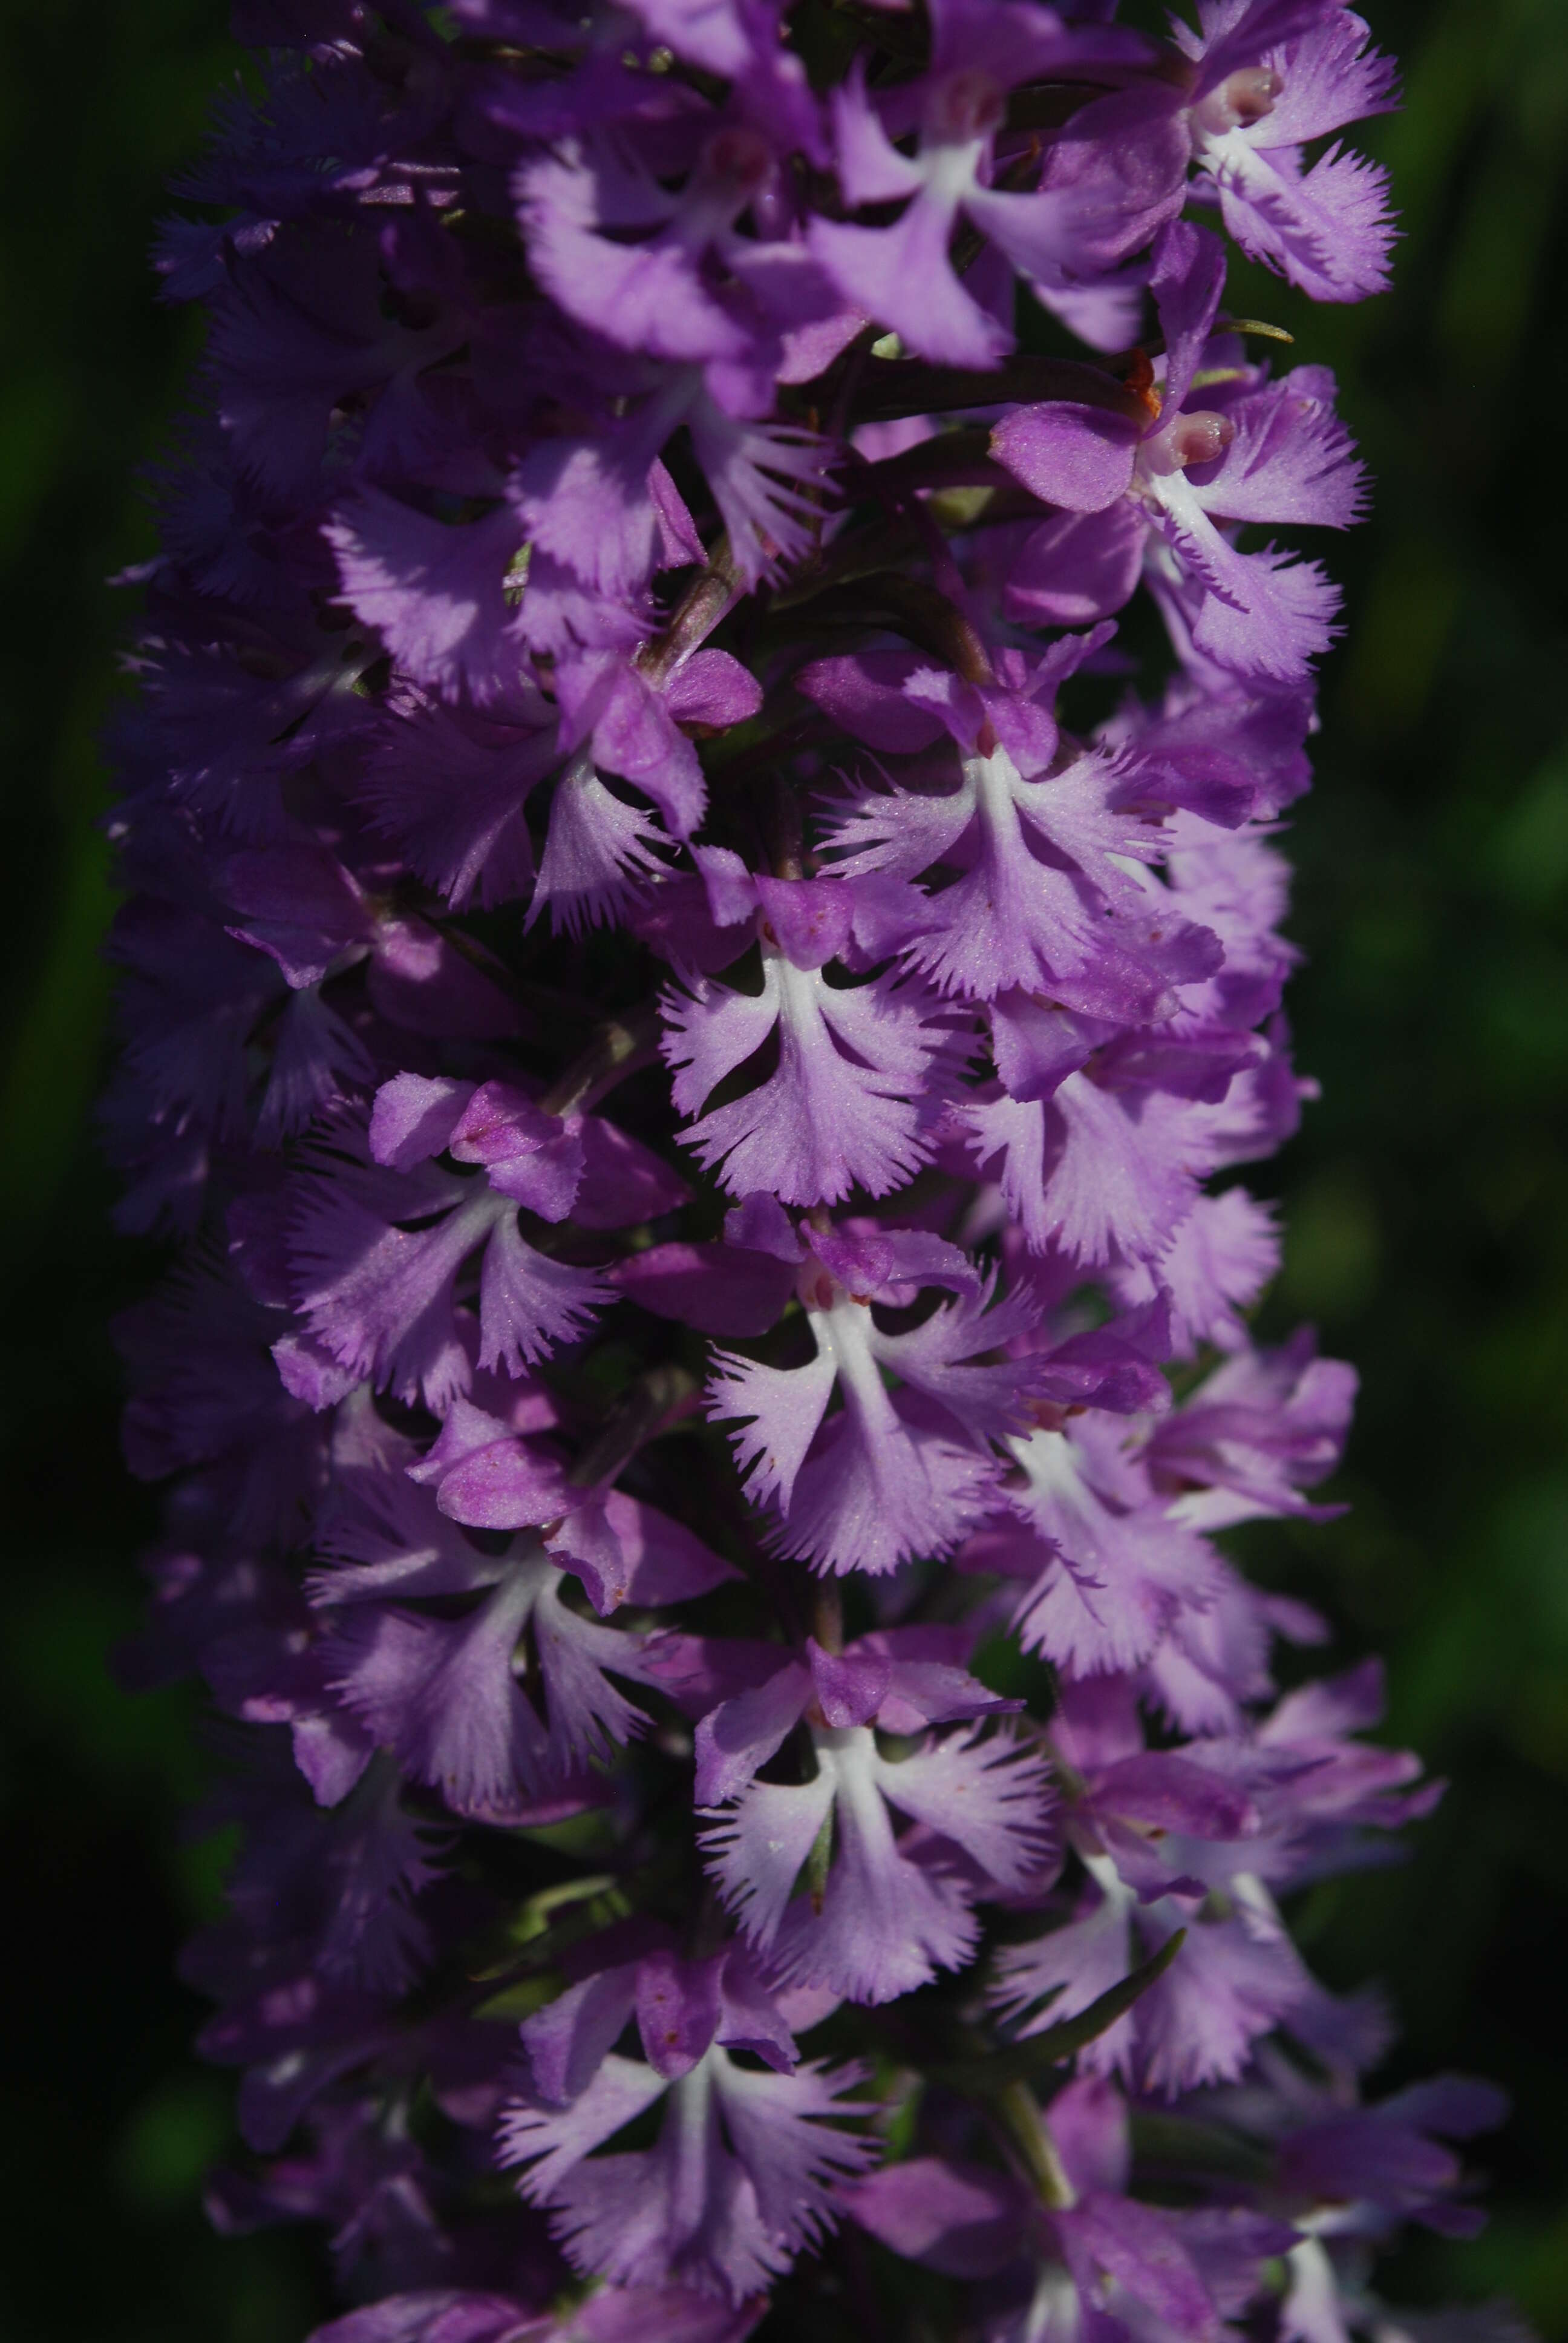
1427,1199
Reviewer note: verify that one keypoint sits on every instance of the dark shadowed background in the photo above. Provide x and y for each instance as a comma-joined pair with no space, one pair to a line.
1427,1198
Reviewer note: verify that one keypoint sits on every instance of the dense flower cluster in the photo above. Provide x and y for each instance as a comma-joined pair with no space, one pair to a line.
691,1009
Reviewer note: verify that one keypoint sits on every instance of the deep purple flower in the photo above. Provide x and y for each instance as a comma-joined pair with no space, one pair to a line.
896,1470
881,1915
1077,223
739,2179
1057,2263
1267,452
1270,80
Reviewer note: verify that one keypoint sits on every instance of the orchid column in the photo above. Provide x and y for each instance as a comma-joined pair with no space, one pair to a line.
690,1016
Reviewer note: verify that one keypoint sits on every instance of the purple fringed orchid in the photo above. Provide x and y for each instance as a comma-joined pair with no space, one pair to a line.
379,1295
1269,79
741,2173
1265,452
1046,902
856,1064
1094,202
1087,2259
1105,1513
672,277
1206,1838
879,1915
898,1468
695,1018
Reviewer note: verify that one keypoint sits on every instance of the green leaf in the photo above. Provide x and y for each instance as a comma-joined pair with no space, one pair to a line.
984,2078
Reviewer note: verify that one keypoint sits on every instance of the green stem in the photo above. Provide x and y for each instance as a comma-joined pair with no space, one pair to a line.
1018,2110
